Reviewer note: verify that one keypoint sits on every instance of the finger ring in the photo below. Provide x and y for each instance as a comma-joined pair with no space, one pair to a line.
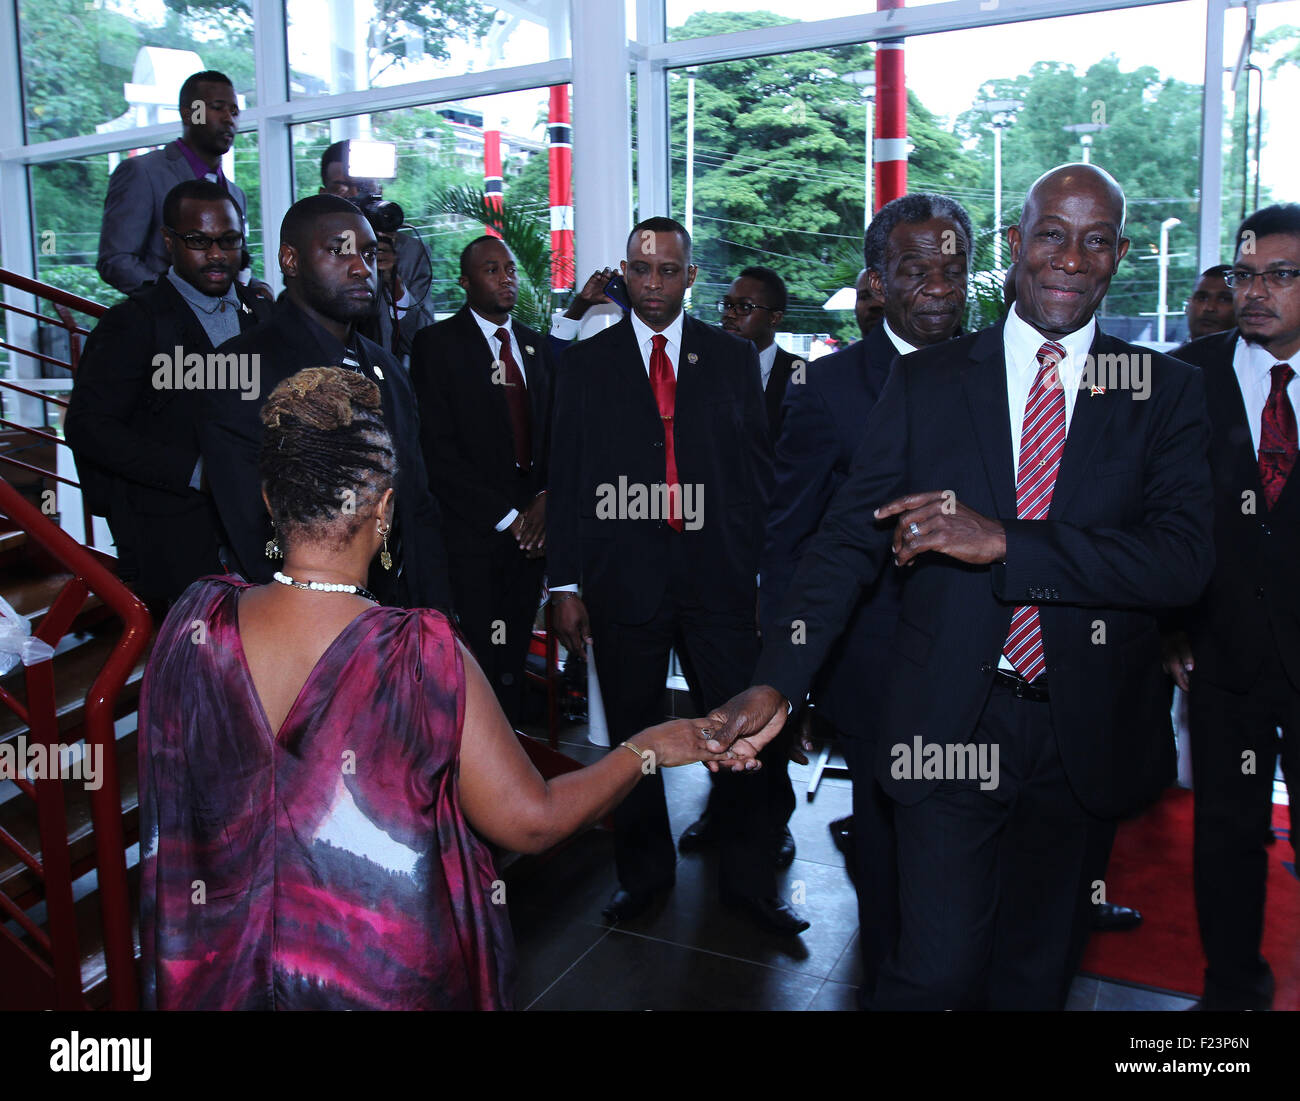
914,529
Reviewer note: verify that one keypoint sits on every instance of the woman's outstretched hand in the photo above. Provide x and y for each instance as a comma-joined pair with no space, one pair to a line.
677,742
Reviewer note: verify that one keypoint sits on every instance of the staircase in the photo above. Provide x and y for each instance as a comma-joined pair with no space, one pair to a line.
69,856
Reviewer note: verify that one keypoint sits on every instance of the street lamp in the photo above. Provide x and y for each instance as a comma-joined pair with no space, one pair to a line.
1085,130
866,80
1163,305
1003,112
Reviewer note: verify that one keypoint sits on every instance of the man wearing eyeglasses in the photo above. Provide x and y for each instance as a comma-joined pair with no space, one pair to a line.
752,309
132,430
1237,651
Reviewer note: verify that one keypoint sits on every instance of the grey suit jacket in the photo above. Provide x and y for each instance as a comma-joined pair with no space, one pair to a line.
131,252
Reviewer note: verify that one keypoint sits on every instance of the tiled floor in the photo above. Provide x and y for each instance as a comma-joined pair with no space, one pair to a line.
688,951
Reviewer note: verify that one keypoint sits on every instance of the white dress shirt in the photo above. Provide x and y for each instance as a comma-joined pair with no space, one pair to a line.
1254,364
644,338
904,348
766,361
1021,342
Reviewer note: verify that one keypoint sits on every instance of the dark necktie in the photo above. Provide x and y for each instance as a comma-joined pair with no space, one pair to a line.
664,384
1277,436
1042,440
517,403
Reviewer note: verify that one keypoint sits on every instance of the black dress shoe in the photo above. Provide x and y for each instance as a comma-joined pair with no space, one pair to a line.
623,905
783,855
698,834
1109,918
773,914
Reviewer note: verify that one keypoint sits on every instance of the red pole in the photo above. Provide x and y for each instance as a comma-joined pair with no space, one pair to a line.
891,116
492,169
559,132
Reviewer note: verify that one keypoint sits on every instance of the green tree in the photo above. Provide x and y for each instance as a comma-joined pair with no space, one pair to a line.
779,157
1151,145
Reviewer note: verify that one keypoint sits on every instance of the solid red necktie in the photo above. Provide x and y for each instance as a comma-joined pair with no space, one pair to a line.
664,384
1042,441
517,403
1277,436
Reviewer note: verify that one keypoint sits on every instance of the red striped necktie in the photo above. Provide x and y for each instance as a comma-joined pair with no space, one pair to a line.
1042,440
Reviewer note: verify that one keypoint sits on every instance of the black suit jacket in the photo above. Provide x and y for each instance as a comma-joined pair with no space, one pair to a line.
825,417
607,427
465,430
230,438
1251,606
1129,532
137,444
774,392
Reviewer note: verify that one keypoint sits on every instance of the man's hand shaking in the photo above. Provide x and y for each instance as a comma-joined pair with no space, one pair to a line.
745,724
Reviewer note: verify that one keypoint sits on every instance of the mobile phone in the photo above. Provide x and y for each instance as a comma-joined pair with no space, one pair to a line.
616,291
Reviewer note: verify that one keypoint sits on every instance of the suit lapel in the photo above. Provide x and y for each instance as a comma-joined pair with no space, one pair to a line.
631,379
878,354
1092,412
689,366
985,382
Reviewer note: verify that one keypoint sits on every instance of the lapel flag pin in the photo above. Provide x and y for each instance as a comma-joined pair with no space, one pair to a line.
1098,390
691,357
243,308
378,373
528,348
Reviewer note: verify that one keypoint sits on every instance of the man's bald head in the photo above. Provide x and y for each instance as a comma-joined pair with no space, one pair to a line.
1075,177
1066,247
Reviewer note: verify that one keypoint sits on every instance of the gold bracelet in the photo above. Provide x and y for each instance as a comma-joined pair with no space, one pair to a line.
641,753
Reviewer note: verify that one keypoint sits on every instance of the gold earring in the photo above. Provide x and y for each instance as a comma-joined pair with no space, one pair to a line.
273,547
385,559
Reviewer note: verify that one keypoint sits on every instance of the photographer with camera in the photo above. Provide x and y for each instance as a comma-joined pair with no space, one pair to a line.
353,170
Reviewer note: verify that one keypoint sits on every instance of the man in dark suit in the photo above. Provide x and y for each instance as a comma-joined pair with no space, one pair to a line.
327,257
752,309
483,383
660,469
917,252
131,249
1047,487
1238,655
132,422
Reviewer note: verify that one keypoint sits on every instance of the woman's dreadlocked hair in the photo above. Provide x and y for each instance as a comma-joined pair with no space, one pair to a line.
326,456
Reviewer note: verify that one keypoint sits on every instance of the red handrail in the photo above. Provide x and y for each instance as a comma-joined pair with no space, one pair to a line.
89,575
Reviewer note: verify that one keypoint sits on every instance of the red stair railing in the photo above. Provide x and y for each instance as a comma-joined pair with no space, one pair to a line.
54,866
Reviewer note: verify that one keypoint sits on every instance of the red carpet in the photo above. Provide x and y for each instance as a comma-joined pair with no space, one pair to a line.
1151,869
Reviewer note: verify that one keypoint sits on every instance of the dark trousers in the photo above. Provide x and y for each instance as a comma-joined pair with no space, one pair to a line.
496,594
632,663
991,882
161,554
1233,796
875,855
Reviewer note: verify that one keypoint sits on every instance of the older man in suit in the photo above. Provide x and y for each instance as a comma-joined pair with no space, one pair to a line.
1238,655
1047,489
132,429
483,383
327,257
917,251
131,250
660,470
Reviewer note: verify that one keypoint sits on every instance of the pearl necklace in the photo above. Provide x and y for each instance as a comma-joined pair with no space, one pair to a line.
325,586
